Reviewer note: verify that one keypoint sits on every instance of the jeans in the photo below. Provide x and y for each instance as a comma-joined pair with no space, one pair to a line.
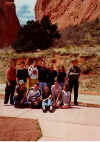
47,103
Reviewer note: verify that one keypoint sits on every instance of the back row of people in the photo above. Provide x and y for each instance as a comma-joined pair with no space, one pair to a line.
45,77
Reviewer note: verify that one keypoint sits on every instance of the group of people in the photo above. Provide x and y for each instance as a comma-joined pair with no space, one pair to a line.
41,86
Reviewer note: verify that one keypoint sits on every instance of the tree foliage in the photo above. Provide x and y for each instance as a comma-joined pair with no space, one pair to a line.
36,35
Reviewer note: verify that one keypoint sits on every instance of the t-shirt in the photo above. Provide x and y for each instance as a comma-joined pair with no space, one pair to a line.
33,95
11,74
22,74
33,72
74,77
61,76
42,74
55,90
51,76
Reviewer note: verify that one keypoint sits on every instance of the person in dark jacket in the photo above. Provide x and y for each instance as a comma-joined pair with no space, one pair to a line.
73,75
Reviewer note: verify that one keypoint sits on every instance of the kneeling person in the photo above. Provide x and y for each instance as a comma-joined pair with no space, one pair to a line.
46,100
34,96
56,94
66,96
20,94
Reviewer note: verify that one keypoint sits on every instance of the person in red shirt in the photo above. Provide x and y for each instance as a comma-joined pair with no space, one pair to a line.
11,83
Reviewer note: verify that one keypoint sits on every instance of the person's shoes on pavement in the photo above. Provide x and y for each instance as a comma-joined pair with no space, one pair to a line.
76,103
51,109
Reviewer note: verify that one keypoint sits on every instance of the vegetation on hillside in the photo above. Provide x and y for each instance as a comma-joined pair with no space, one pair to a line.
81,42
87,33
36,35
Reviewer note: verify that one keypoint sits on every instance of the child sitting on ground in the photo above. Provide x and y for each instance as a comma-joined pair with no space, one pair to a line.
20,94
46,100
34,96
56,94
66,96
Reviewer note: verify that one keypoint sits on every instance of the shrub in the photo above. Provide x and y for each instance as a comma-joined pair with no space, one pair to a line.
36,35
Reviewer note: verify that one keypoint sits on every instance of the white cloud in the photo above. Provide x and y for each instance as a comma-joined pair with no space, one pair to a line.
25,10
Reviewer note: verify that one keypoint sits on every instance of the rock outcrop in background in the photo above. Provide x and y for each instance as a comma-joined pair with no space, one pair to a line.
68,12
9,24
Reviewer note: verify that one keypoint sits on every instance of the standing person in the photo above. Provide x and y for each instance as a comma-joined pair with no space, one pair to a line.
73,75
51,76
61,76
42,74
33,75
22,73
11,83
56,94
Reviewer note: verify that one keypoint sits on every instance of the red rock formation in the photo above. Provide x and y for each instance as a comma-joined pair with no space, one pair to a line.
9,24
68,12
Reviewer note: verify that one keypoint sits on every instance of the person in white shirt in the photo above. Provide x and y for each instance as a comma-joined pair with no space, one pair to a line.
33,75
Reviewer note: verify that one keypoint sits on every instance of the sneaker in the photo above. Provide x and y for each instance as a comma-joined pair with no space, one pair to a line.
44,109
76,103
51,108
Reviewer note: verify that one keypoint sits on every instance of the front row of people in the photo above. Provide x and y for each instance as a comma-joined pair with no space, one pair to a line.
45,99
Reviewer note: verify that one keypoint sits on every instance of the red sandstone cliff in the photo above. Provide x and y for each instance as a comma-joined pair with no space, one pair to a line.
68,12
9,24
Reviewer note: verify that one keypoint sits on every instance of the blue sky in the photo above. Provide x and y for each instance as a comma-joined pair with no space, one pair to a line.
25,10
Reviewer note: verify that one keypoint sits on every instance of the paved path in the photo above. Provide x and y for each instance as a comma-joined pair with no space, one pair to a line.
77,123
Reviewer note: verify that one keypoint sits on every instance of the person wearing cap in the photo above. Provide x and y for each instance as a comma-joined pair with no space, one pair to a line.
11,83
73,75
22,73
20,94
33,75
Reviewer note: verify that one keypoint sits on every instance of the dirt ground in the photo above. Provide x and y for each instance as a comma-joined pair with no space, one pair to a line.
18,129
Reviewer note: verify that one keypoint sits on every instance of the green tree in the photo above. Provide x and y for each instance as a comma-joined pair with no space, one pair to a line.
36,35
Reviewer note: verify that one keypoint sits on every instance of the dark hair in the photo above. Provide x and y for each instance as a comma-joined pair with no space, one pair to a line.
67,87
63,68
37,84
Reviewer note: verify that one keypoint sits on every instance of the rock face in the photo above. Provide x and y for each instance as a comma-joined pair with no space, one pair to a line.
9,24
68,12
